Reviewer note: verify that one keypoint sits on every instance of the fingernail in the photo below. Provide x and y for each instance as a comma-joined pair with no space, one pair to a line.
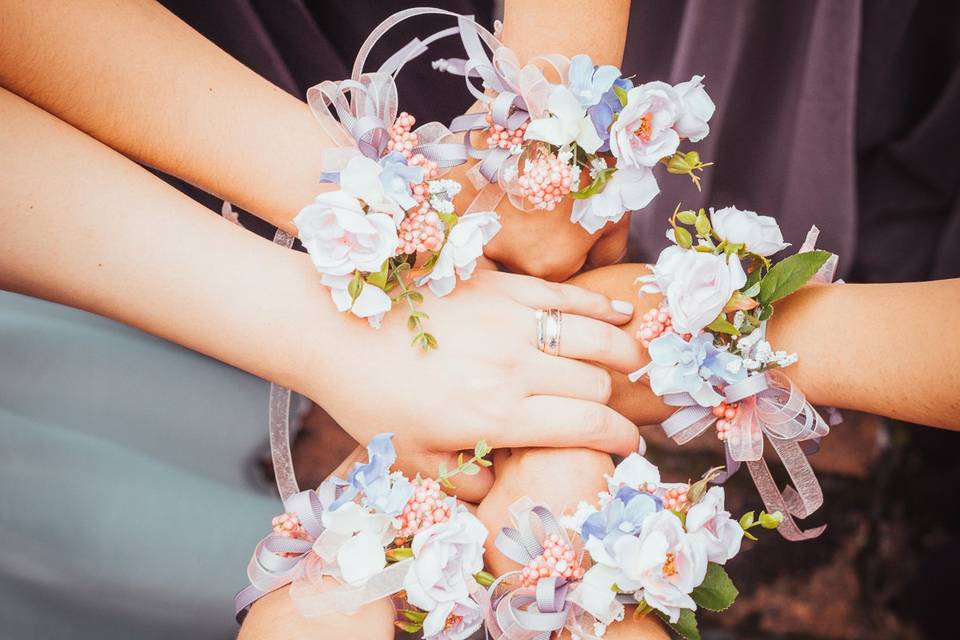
622,306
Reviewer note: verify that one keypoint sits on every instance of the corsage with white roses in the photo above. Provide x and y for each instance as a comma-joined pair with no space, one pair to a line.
657,546
379,534
710,358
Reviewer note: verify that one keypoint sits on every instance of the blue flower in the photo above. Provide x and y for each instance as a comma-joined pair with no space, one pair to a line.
373,480
693,367
603,111
588,82
396,178
624,515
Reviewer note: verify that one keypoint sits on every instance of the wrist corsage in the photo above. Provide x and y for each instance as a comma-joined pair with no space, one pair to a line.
391,224
562,127
658,546
709,355
378,534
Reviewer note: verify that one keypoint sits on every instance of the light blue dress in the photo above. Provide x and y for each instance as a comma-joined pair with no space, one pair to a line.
129,503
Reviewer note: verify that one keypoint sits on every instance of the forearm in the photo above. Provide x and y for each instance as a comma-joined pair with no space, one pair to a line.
568,27
888,349
86,227
134,76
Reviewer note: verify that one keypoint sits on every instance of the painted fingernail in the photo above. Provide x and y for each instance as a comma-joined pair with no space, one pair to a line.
622,306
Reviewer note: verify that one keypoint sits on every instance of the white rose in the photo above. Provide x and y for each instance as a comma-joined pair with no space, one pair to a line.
708,521
361,178
643,134
468,617
372,303
634,471
759,234
568,122
696,109
459,255
629,189
664,561
663,272
700,286
341,238
355,537
446,557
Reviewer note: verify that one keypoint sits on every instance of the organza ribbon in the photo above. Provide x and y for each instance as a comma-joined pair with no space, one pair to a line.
277,559
770,407
517,612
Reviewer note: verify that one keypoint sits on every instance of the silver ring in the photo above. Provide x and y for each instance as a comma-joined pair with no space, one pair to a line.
548,331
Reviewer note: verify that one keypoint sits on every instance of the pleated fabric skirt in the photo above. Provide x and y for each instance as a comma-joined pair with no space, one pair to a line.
129,504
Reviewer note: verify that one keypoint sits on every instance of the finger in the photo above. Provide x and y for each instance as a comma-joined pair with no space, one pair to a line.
571,379
538,294
551,421
588,339
467,488
612,247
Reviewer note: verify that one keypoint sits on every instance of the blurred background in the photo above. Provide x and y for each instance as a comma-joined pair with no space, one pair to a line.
839,113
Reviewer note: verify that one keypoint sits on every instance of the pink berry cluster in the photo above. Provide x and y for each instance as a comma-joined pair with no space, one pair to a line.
404,140
724,413
420,231
500,136
545,181
558,559
676,499
425,508
288,525
655,323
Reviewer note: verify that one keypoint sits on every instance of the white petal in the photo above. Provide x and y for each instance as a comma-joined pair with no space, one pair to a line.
361,557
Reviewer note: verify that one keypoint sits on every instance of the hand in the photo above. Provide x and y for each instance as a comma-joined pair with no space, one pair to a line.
486,380
546,244
540,475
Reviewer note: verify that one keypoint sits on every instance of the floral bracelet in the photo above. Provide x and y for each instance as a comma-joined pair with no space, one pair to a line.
591,135
710,358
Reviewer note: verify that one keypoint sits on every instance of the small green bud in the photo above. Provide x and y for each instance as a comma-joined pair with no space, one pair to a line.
683,237
770,520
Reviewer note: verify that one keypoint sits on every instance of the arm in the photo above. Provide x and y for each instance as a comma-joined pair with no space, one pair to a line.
82,225
146,84
888,349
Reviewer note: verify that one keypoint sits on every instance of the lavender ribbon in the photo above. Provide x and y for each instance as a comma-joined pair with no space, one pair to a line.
277,559
525,613
771,407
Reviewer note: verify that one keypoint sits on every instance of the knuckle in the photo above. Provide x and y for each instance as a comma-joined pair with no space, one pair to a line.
604,386
597,421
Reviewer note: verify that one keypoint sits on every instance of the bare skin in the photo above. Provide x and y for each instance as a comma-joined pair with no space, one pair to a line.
149,86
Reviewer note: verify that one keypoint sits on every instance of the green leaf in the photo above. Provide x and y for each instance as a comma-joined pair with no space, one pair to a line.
753,279
470,469
746,520
400,553
379,279
484,463
484,579
596,186
686,626
753,289
722,325
716,592
355,286
790,274
770,520
621,94
703,224
449,219
417,338
412,323
481,449
409,627
687,217
766,312
414,616
431,342
683,237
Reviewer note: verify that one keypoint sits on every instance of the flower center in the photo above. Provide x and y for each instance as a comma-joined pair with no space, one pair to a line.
646,129
670,566
452,621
